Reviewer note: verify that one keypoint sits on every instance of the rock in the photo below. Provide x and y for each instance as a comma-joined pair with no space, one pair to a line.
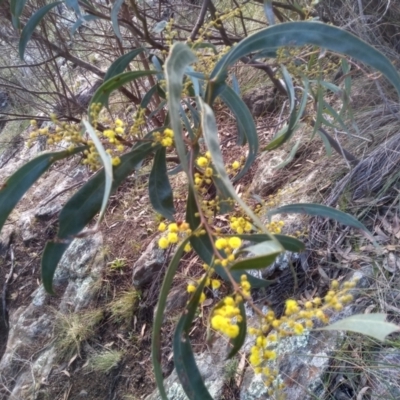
53,194
211,365
6,236
81,269
148,265
176,300
266,182
261,101
26,226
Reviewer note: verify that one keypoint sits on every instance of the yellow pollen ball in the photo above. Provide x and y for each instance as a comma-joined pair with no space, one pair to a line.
235,242
215,284
163,243
221,243
173,237
191,288
202,162
235,165
116,161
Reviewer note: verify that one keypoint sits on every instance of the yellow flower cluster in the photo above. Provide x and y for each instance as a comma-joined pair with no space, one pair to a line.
225,318
204,176
235,165
166,139
245,286
240,225
169,33
174,232
297,317
114,135
140,120
275,227
214,284
210,208
228,245
63,131
94,112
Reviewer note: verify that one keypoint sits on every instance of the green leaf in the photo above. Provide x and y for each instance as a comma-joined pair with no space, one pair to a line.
269,12
373,325
180,57
201,244
159,316
114,18
18,184
185,363
160,190
103,92
238,341
204,45
255,262
16,7
108,169
299,34
210,133
32,24
288,130
320,211
245,123
290,158
288,243
159,26
147,97
52,255
86,203
119,65
74,5
81,20
262,248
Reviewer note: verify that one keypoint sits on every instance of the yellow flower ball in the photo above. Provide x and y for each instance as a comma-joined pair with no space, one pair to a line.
173,237
215,284
191,288
166,142
162,227
202,162
235,165
169,133
163,243
202,298
235,242
115,161
221,243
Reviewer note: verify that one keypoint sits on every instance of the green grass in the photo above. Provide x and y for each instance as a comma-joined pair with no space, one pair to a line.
123,308
105,361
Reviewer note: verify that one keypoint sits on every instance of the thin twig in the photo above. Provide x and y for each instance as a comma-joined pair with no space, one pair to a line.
61,192
200,20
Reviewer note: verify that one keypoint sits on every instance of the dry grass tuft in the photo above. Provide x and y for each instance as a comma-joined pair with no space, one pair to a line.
123,308
105,361
71,330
